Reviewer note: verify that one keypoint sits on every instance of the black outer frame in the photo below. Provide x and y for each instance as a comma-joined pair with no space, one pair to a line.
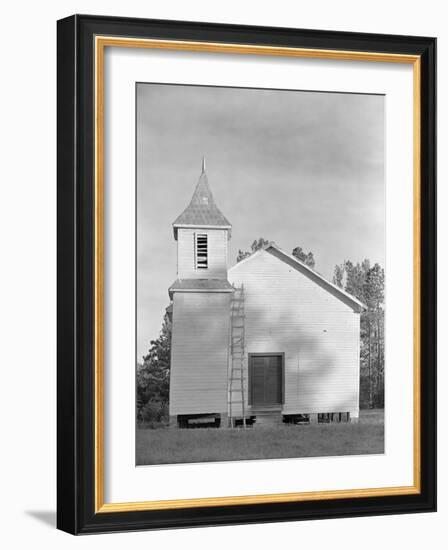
75,295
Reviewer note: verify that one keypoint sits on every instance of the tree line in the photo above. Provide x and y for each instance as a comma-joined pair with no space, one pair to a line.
366,282
298,252
362,280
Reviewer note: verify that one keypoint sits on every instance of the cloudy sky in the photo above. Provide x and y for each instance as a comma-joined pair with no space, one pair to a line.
298,168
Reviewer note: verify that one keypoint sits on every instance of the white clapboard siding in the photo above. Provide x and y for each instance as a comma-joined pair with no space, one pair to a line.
288,312
199,353
217,254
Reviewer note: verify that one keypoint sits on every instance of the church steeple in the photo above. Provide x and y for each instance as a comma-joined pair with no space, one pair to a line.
202,211
202,233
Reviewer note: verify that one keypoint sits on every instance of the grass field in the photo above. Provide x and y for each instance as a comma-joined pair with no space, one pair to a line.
173,446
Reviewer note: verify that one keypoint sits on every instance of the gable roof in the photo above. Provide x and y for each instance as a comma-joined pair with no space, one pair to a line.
276,251
202,210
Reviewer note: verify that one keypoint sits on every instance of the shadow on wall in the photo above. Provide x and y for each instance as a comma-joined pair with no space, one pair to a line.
320,358
282,331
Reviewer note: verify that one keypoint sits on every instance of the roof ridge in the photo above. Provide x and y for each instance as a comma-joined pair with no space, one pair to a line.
303,264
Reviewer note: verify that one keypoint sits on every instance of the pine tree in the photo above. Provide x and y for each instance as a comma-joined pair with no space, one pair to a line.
306,258
339,276
153,377
366,283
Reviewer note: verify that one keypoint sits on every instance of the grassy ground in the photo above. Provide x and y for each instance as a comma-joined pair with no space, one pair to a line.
171,446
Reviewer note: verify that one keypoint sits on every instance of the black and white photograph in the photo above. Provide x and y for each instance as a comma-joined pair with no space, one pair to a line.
260,231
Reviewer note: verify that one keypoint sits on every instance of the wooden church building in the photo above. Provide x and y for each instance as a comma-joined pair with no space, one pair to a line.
267,341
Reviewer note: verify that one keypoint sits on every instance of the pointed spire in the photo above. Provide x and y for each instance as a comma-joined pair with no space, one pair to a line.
202,210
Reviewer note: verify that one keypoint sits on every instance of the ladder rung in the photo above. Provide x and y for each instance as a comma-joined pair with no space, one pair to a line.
238,377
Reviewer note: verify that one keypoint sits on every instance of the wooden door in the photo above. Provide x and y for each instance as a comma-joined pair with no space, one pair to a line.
266,380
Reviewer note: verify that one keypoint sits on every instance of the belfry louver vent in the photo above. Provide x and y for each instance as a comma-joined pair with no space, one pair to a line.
201,251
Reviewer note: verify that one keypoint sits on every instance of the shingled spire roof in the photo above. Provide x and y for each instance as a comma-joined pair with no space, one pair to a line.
202,210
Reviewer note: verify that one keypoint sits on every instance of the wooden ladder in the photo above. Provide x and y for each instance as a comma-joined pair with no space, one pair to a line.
237,346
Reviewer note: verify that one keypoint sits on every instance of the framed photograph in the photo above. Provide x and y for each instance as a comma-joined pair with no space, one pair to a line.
246,274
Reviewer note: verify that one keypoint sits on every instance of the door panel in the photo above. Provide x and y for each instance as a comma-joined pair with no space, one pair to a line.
266,379
273,380
257,380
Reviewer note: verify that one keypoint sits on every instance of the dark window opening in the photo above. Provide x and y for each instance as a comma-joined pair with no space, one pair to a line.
201,249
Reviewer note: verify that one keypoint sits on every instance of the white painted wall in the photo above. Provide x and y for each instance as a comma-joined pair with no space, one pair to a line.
287,312
217,254
199,352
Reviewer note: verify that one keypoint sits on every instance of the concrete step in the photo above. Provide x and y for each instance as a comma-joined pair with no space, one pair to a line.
267,419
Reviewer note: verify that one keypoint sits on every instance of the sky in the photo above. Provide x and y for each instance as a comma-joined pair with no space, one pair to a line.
297,168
